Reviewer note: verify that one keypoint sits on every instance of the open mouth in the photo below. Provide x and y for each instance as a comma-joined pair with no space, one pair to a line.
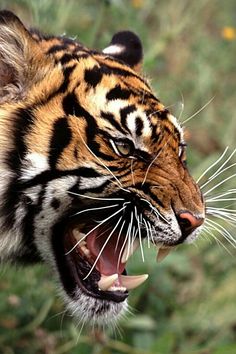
93,257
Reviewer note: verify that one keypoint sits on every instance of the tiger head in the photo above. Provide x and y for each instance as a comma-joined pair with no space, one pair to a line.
91,164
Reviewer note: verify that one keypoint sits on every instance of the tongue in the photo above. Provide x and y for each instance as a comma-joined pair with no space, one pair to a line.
109,261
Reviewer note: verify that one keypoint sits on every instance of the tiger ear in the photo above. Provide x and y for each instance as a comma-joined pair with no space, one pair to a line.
126,46
20,58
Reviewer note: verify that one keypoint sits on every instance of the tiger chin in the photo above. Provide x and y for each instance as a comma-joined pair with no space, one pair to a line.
91,164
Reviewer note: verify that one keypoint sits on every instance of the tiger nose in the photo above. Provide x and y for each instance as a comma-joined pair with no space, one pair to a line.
188,222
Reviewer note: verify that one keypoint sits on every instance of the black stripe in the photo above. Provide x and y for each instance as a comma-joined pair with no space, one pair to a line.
95,189
124,112
49,175
22,123
72,106
118,93
93,76
113,70
57,48
59,141
110,118
138,126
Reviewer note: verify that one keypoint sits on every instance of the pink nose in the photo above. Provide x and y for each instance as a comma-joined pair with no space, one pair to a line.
188,222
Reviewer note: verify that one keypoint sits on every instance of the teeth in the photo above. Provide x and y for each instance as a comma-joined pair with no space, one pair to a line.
107,281
129,250
131,282
77,234
85,250
162,253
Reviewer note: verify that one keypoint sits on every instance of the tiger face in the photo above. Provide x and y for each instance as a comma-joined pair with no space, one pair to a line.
91,164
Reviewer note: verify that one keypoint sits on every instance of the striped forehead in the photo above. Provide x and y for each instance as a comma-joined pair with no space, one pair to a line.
131,117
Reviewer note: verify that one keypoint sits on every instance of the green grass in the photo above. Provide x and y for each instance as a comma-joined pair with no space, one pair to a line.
188,304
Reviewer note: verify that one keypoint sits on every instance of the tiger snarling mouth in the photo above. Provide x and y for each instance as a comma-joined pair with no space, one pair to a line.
93,252
95,257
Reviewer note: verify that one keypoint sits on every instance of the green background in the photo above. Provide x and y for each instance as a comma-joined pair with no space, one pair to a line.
188,305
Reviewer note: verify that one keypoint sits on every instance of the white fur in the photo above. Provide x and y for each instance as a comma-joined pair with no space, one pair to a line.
34,164
114,49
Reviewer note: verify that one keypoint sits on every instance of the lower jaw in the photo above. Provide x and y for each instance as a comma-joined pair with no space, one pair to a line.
94,311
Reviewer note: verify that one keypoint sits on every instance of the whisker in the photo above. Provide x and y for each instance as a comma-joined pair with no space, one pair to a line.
201,109
210,233
151,232
219,184
94,228
213,164
222,231
139,234
103,247
118,237
218,171
227,217
215,176
95,198
124,243
148,233
223,194
155,210
129,237
98,208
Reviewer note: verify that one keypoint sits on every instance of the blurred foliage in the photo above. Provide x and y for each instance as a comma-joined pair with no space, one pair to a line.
188,304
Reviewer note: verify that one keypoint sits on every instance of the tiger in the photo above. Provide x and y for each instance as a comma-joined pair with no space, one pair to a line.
92,164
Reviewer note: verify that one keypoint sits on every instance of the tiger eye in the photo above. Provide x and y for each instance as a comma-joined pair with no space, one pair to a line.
124,148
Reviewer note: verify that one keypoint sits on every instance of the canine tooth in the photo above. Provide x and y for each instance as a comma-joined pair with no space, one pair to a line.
133,281
107,281
162,253
129,250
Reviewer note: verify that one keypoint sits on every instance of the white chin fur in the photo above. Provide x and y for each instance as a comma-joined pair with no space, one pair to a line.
94,311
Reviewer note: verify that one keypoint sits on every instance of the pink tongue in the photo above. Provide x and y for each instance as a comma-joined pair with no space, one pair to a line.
107,263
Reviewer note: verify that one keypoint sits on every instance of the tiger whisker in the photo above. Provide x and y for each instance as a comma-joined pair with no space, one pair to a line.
220,200
219,196
147,231
218,171
230,211
215,176
94,228
152,231
219,184
103,247
222,231
129,238
213,164
139,233
155,210
227,217
208,230
196,113
98,208
95,198
124,243
160,110
119,235
182,107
